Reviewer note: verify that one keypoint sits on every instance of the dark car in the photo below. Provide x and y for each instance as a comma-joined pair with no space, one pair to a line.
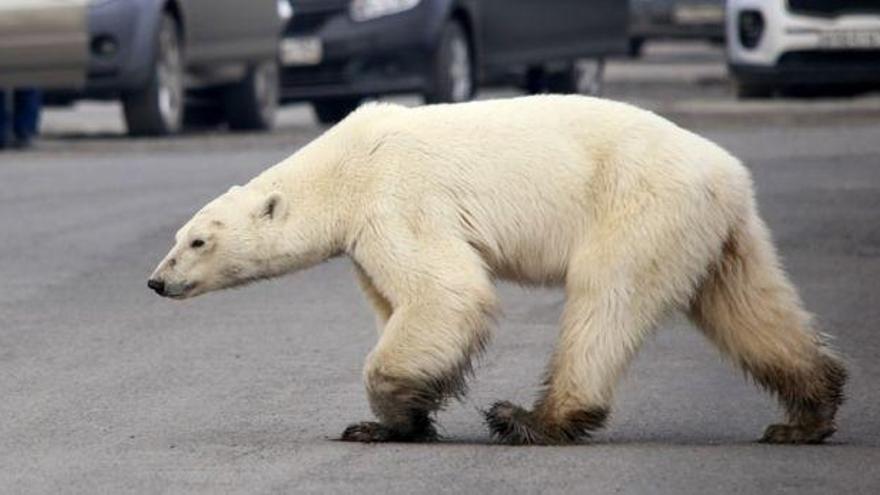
677,19
170,61
337,52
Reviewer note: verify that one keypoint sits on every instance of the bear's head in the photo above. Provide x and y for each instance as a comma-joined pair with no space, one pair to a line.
242,236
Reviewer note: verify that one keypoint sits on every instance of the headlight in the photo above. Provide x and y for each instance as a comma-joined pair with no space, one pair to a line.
364,10
285,10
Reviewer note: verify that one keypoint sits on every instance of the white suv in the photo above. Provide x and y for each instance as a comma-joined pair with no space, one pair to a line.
794,45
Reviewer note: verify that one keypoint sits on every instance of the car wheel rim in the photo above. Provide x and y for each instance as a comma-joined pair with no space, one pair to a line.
588,76
460,69
170,79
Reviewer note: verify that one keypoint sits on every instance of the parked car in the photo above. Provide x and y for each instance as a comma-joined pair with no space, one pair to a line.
677,19
43,43
803,46
176,61
335,53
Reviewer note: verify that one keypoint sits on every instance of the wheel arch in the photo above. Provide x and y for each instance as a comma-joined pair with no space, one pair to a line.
173,8
464,13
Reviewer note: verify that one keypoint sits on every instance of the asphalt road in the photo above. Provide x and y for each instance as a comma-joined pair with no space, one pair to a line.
106,388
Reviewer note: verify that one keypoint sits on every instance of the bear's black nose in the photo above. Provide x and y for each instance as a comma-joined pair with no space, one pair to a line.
157,285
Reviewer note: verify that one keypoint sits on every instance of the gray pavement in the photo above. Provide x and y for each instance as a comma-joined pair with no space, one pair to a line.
106,388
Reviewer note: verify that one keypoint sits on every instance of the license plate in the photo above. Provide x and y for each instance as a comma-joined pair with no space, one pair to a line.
307,50
843,40
699,14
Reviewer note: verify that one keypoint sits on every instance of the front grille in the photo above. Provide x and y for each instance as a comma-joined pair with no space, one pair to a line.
327,73
827,59
834,7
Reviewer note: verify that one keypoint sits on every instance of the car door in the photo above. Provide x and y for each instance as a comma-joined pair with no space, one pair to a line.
507,29
594,27
531,31
43,43
230,30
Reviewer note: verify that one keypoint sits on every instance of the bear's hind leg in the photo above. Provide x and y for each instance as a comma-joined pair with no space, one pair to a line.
749,309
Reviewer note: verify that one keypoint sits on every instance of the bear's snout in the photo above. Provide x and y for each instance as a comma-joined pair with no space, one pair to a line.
157,285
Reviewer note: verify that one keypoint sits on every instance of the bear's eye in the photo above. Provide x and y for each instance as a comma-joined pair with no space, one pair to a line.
197,244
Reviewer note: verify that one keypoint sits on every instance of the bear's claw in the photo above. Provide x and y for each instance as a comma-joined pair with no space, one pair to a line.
513,425
374,432
367,432
796,434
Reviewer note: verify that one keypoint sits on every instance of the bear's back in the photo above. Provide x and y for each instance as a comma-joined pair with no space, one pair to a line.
521,174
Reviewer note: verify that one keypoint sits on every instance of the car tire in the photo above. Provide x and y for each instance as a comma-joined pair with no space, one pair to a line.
635,46
535,80
451,76
157,109
581,77
753,91
332,110
252,103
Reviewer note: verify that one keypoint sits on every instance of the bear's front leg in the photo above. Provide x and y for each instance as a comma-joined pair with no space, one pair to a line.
439,303
422,359
404,408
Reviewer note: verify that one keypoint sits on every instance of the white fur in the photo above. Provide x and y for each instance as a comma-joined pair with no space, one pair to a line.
624,209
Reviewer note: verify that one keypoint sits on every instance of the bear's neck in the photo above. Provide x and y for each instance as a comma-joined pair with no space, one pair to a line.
319,184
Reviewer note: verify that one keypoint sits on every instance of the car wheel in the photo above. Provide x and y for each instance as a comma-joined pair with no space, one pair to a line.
452,77
753,91
332,110
582,77
251,104
535,81
157,109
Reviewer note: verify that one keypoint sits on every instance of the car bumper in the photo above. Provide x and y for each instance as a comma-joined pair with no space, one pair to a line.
128,27
385,55
786,32
814,68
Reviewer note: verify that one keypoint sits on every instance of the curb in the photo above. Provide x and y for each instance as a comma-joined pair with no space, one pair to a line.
727,112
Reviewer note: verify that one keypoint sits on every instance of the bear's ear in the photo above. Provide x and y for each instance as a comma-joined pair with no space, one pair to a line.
274,206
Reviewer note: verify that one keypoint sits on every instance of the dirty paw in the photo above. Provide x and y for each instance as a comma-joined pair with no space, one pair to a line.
367,432
374,432
511,424
796,434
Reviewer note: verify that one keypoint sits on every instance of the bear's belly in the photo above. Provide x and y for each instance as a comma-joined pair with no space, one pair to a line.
539,261
527,238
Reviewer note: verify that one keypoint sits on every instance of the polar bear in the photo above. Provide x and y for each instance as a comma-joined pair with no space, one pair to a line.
632,215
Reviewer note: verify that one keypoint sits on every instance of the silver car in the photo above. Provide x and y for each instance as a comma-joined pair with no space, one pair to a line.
43,43
172,62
